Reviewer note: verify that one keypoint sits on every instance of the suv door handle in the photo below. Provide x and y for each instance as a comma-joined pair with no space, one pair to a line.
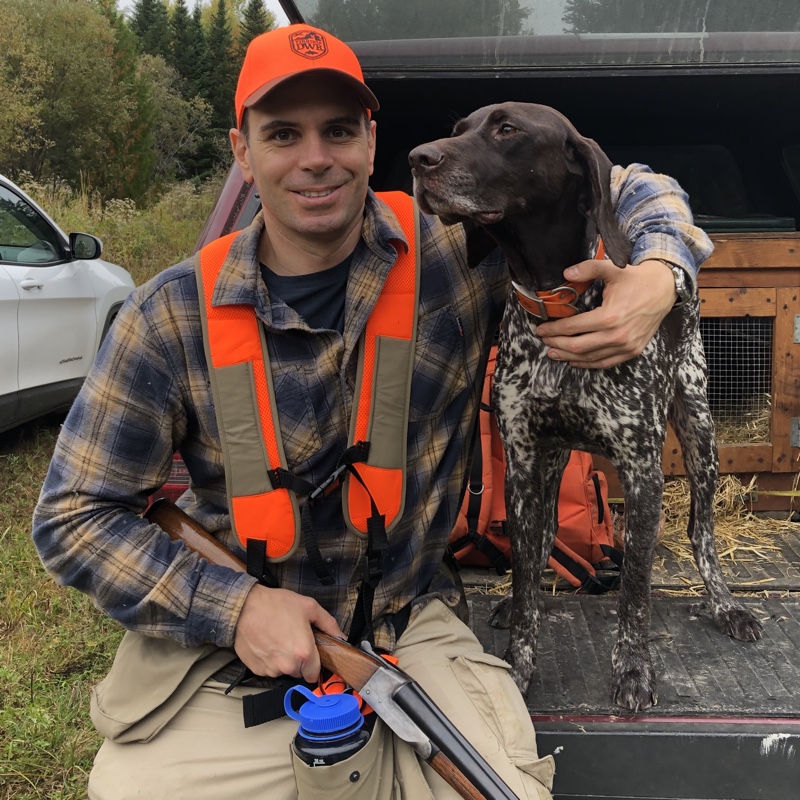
30,283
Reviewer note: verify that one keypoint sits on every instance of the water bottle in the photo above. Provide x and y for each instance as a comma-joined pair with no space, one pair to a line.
331,727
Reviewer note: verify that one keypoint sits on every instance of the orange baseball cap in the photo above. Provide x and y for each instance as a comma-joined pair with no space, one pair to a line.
283,53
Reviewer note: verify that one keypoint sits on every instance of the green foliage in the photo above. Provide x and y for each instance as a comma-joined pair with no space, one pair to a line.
55,644
87,112
178,123
143,240
150,23
223,70
255,21
181,47
24,72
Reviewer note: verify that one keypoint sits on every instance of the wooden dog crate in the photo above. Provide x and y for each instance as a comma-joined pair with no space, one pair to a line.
750,320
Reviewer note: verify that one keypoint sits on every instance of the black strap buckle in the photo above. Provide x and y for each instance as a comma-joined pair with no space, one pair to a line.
329,481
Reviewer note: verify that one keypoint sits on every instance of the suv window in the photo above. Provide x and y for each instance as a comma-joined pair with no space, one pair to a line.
563,32
25,236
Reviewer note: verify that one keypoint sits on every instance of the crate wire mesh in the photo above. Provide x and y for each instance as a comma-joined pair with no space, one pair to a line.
739,357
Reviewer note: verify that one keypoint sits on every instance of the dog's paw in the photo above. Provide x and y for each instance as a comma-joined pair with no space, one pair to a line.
501,614
633,679
635,689
738,623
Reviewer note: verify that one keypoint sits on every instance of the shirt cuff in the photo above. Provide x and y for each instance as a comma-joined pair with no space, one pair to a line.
216,606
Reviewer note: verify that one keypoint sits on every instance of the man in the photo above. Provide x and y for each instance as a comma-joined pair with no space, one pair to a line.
310,267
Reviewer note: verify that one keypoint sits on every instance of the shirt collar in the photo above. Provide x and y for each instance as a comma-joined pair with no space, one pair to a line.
239,281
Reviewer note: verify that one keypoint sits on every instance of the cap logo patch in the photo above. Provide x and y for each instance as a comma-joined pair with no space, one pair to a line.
308,44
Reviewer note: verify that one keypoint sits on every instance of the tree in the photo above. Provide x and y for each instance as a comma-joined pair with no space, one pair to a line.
24,74
92,114
222,71
180,45
150,23
198,55
178,122
255,21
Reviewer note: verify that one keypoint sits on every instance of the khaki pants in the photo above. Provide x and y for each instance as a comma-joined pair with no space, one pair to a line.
205,752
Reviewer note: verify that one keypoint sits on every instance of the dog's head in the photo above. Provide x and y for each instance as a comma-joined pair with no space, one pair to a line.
513,161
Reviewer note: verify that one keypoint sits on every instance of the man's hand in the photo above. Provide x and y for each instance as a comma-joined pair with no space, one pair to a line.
274,637
635,300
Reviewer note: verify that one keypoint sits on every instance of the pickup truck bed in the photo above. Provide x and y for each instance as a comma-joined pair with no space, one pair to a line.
727,723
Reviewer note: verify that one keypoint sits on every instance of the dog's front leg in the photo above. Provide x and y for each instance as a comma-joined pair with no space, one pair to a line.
532,517
633,678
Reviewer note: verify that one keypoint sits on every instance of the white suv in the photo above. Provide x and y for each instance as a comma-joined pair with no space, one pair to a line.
57,300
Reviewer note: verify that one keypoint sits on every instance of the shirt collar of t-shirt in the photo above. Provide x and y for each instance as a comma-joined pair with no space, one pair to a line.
317,297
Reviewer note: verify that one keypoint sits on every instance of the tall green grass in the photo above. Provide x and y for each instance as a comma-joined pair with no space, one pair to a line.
54,645
143,240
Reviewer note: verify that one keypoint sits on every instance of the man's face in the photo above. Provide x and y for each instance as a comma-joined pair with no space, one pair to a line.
310,153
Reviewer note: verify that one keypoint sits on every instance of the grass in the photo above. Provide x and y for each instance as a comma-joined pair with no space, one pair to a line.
143,240
54,645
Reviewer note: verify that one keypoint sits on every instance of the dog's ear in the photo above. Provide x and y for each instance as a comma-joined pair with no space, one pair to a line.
479,243
596,201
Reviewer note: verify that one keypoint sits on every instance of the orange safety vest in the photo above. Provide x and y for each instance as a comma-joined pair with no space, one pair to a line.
241,380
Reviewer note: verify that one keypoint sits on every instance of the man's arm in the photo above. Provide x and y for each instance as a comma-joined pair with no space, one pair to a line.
654,213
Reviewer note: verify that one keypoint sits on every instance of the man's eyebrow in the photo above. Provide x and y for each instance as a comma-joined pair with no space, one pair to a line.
276,124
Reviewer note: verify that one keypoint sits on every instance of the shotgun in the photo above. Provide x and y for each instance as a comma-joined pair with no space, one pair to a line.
394,696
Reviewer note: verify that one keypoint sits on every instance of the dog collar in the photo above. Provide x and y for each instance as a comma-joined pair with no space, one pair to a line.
554,303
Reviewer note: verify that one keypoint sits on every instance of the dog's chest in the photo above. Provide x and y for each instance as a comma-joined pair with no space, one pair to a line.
598,409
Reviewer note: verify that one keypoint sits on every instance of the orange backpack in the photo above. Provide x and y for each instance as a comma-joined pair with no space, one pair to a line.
584,541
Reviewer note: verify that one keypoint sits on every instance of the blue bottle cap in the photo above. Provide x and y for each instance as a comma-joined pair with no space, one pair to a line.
326,717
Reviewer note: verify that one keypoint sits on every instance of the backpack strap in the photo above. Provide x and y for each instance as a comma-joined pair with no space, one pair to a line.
579,572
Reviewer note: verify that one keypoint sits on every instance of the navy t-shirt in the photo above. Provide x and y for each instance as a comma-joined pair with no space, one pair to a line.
317,297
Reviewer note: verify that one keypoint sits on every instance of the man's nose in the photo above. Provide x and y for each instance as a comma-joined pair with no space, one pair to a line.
316,153
425,158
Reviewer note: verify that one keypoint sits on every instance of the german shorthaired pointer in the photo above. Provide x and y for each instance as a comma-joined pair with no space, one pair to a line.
541,191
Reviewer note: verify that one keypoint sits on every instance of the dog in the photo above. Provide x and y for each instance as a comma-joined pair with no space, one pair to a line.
523,175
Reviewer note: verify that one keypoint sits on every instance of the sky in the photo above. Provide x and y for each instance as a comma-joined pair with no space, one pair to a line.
273,5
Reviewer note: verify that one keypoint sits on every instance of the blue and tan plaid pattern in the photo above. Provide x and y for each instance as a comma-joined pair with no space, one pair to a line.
148,395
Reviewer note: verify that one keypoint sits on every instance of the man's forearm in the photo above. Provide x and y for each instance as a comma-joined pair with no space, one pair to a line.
655,215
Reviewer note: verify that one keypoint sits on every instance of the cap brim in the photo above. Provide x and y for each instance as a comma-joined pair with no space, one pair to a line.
364,94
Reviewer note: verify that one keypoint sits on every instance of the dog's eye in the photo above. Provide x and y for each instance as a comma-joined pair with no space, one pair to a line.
506,129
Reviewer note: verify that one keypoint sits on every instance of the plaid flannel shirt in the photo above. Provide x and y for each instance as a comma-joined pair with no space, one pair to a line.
148,395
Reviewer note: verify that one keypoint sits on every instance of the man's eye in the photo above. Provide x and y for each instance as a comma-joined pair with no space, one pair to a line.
339,133
282,136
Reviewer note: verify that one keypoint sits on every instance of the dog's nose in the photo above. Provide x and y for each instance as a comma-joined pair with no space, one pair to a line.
425,157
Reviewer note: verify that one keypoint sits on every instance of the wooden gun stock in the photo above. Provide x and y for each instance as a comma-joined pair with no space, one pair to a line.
354,666
180,527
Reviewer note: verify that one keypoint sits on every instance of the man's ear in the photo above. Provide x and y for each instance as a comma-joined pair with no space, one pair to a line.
240,153
373,127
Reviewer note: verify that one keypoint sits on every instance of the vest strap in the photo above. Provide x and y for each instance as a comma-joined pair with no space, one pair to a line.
263,494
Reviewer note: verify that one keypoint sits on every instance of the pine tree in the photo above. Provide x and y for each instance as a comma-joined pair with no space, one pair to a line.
222,70
150,23
255,21
180,43
198,55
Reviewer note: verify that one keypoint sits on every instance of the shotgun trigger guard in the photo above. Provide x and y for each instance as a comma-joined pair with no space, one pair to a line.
379,692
